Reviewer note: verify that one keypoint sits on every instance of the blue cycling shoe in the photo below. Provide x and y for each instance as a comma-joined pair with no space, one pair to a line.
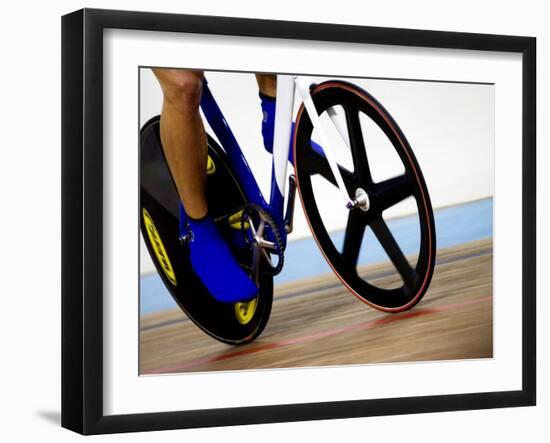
268,128
214,263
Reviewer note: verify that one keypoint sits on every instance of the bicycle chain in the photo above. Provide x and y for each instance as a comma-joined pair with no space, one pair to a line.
269,221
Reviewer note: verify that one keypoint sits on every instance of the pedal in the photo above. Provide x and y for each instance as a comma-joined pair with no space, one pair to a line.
186,238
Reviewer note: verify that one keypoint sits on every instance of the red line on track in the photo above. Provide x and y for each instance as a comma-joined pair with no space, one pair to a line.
320,335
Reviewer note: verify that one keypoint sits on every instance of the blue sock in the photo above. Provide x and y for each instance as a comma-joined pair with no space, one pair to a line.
215,265
268,126
268,120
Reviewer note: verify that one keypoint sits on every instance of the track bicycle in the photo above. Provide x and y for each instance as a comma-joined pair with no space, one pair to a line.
257,227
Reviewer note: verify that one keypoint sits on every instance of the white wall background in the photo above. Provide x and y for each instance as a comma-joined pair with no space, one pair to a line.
450,127
30,183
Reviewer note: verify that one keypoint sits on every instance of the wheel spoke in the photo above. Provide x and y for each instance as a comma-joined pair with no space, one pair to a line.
353,238
387,240
251,226
318,164
260,231
357,142
392,191
266,244
267,256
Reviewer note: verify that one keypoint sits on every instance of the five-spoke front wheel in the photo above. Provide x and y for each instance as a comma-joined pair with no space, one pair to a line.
371,197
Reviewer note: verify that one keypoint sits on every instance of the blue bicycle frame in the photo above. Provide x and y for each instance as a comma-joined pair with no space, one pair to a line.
286,86
238,163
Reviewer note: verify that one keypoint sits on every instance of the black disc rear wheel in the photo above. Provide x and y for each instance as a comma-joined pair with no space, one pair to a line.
413,278
231,323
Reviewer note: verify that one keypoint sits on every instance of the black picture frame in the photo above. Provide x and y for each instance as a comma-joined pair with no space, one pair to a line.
82,218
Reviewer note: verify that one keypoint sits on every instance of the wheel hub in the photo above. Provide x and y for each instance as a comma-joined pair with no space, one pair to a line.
361,200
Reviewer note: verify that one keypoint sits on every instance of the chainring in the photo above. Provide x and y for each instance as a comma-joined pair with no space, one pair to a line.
262,234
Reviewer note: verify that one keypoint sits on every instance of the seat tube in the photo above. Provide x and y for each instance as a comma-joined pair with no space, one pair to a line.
281,141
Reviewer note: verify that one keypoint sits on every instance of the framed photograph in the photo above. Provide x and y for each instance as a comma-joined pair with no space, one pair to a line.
269,221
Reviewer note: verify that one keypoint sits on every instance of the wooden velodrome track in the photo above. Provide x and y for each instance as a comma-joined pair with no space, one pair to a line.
317,322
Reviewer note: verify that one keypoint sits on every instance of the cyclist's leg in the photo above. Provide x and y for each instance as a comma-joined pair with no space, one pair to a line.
183,137
185,148
267,84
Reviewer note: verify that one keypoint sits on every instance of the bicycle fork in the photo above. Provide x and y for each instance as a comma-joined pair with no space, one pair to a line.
286,86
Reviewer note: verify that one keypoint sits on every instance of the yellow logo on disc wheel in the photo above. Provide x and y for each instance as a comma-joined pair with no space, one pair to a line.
245,311
158,247
210,166
235,220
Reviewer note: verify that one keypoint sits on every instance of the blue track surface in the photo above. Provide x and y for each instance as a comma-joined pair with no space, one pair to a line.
454,225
